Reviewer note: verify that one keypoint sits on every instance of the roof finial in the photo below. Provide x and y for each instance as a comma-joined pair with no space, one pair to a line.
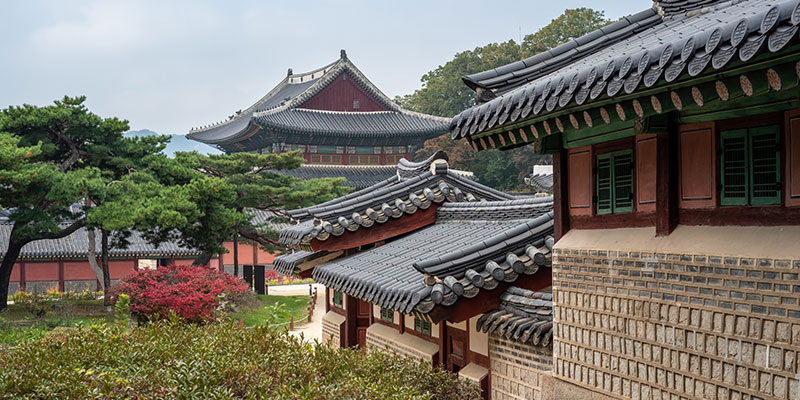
289,72
343,54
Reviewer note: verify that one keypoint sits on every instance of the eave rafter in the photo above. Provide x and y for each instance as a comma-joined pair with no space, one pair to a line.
692,95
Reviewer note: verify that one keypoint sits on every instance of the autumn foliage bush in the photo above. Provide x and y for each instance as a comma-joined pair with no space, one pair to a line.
193,293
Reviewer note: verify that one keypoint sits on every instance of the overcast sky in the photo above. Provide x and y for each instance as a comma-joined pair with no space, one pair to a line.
172,65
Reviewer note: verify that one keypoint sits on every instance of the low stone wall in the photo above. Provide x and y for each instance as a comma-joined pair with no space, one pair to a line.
518,370
655,325
332,328
382,337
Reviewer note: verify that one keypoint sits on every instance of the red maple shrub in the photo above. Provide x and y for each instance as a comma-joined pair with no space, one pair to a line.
193,293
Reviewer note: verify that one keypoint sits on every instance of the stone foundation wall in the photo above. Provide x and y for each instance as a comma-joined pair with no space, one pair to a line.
518,370
332,328
653,325
382,337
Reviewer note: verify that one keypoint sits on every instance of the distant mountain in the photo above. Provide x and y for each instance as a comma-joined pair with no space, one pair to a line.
177,143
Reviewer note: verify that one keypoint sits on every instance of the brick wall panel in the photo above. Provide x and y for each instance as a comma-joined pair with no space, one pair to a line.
668,325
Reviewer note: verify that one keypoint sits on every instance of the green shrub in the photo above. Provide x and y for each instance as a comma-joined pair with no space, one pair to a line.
170,360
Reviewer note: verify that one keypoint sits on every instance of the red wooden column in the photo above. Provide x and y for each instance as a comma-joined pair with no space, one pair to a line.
667,181
560,194
60,275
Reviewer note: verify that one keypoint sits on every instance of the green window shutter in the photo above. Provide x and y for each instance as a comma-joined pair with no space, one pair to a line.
604,183
765,175
337,298
733,162
623,181
422,326
387,314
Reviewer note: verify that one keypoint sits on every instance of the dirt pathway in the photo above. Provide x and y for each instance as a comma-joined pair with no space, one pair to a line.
312,330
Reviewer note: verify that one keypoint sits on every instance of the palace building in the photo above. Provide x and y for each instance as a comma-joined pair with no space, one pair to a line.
334,115
435,266
675,136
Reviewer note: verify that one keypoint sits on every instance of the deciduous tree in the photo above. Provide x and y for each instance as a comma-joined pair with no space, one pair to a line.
444,94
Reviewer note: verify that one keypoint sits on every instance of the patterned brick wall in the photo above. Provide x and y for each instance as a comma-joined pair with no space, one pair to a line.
517,369
647,325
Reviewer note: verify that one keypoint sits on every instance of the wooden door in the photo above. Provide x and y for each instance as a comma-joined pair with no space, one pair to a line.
362,321
456,349
258,278
248,275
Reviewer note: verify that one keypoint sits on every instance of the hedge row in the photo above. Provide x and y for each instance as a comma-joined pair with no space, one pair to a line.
171,360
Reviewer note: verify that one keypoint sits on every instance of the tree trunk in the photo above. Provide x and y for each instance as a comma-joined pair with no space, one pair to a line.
98,272
235,254
12,253
5,271
203,259
106,276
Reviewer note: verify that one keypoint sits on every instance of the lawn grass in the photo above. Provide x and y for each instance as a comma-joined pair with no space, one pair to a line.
295,305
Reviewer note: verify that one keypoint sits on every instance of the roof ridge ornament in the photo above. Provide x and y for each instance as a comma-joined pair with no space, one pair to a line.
343,54
289,72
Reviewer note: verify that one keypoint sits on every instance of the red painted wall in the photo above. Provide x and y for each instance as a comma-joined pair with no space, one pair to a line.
340,94
580,180
41,271
646,172
697,166
15,273
78,271
245,254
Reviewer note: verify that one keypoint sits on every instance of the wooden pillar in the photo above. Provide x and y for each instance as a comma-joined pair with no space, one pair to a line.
667,181
22,284
60,275
351,316
442,343
221,265
560,194
135,263
327,300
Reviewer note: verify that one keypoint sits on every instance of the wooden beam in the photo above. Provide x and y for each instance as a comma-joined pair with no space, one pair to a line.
666,181
487,300
377,232
560,195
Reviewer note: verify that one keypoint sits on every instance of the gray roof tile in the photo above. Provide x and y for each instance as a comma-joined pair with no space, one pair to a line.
448,260
678,37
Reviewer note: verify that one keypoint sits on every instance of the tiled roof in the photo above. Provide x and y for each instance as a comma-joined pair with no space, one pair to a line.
355,123
77,245
416,186
286,263
641,51
279,111
541,182
471,247
357,176
523,316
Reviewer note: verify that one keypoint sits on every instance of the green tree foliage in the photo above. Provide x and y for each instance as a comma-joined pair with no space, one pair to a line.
67,152
166,360
444,94
63,168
